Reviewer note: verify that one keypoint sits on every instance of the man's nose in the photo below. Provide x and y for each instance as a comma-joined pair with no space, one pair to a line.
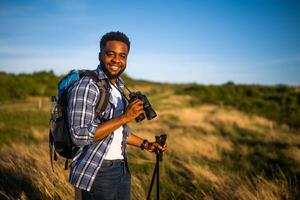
116,59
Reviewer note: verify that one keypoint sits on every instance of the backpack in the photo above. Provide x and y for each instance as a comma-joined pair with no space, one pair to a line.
59,136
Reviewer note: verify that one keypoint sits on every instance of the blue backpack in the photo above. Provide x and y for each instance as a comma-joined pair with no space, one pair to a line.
59,136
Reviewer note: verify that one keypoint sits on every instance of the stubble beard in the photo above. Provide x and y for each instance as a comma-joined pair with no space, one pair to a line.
107,73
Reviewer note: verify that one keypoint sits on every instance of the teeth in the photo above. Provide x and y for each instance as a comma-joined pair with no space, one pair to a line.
114,67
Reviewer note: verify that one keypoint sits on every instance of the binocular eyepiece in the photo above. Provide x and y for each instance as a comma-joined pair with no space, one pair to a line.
149,112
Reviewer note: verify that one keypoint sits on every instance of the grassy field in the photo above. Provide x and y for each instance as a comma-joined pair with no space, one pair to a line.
215,152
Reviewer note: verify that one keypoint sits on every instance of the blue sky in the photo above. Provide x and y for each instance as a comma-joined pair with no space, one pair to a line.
210,42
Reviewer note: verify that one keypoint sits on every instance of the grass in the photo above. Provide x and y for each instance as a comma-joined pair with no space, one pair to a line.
21,126
215,152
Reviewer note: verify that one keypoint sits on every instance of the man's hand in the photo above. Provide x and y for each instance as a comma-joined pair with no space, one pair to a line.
152,146
133,110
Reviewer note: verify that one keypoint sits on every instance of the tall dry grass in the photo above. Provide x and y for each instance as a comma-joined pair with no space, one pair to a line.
26,174
206,141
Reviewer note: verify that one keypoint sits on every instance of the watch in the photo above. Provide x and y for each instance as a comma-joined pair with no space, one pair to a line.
144,144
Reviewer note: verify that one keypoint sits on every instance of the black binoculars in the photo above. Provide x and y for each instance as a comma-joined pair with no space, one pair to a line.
149,112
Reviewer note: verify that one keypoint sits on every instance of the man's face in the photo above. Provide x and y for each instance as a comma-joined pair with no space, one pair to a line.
113,58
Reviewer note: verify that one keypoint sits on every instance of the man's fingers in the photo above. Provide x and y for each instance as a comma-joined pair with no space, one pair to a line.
153,146
137,102
137,105
157,146
139,110
163,148
135,109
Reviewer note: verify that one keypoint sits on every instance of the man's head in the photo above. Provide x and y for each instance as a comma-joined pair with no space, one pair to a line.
116,36
114,48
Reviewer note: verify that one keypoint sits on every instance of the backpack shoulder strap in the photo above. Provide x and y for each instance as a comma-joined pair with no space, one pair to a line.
104,97
89,73
103,87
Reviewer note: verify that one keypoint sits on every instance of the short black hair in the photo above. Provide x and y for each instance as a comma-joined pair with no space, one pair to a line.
114,35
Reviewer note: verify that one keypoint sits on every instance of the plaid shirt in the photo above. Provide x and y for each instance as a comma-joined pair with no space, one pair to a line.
83,122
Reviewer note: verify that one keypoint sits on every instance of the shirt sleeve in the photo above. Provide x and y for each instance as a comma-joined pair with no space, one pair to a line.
126,130
81,112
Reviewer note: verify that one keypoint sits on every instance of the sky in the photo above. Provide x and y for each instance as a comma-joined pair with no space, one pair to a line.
175,41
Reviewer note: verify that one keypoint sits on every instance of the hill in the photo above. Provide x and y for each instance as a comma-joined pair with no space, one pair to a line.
280,103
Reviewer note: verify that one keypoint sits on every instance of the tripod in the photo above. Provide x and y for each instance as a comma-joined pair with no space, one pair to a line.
159,155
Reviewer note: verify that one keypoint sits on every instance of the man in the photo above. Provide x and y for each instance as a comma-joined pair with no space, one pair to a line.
99,169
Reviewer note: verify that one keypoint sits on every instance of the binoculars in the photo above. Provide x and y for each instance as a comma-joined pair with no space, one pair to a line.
149,112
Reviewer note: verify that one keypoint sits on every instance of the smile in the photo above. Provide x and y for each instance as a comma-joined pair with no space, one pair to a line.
114,67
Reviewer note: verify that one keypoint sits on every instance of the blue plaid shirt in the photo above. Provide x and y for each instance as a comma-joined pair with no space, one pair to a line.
83,122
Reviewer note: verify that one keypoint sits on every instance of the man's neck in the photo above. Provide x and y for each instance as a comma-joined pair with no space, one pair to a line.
113,80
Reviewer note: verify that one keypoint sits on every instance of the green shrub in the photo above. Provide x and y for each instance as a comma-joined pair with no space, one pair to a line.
280,103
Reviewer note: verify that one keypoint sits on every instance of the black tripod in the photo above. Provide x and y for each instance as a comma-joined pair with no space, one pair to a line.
159,155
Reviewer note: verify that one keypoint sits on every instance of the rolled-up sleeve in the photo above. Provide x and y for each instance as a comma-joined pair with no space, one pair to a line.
81,112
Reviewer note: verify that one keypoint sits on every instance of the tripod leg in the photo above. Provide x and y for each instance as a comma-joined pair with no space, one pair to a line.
152,181
157,177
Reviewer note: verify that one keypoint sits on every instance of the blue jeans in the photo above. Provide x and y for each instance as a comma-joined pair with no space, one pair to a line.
112,182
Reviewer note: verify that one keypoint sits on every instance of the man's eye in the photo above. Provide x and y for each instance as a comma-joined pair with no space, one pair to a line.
109,54
123,56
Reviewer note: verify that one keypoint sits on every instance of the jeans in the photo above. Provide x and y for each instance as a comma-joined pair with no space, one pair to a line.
112,182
